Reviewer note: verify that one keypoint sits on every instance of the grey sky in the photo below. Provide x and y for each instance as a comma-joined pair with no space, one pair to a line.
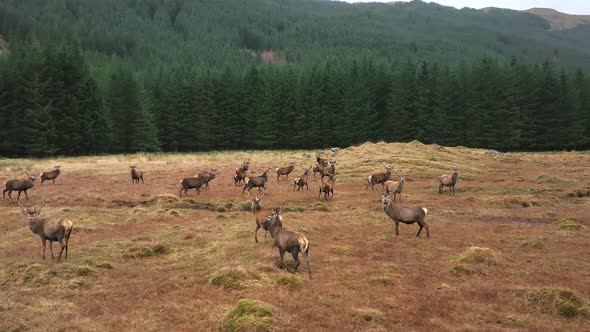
581,7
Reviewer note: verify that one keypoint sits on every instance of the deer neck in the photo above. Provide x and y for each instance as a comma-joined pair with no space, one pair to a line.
35,225
274,228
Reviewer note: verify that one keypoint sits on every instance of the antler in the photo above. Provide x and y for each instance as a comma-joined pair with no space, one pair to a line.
21,207
262,196
41,207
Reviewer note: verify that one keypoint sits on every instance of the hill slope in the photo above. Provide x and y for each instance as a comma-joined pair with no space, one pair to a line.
559,20
225,31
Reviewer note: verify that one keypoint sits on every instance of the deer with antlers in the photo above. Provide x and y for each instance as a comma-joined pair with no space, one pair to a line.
19,185
55,229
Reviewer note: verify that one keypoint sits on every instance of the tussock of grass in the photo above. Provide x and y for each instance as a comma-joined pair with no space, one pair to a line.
250,315
292,282
461,269
384,280
319,206
367,314
555,301
519,202
533,244
155,250
37,274
579,193
231,278
104,265
477,255
566,224
512,321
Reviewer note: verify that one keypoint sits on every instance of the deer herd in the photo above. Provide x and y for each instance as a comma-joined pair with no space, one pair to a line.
271,221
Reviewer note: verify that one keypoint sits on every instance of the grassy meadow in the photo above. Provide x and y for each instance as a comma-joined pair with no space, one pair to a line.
511,251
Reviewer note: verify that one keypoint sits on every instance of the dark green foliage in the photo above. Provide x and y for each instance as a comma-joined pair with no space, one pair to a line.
190,76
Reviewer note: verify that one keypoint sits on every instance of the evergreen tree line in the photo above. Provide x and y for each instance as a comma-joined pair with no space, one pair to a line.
51,104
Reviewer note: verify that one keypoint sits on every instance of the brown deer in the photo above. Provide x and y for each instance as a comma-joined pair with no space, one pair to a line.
327,187
260,217
19,185
56,229
135,174
302,180
285,171
404,214
256,181
449,181
192,183
51,175
241,172
395,187
287,240
379,178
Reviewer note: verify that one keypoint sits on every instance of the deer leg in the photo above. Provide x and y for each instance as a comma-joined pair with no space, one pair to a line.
44,245
4,193
265,232
141,180
295,254
256,232
440,189
306,186
53,181
26,195
18,197
63,247
51,248
396,228
10,194
420,230
282,253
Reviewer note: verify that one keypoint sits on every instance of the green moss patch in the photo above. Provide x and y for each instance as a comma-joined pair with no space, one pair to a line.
251,315
566,224
555,301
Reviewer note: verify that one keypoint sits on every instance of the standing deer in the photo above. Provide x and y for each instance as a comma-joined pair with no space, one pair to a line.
56,229
327,187
19,185
379,178
285,171
302,180
192,183
260,216
404,214
395,187
449,181
327,170
287,240
208,176
241,172
256,181
135,174
51,175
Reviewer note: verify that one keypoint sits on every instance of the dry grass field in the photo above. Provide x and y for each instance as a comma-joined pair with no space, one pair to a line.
143,259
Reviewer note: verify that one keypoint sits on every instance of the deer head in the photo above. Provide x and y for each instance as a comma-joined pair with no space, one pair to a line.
31,215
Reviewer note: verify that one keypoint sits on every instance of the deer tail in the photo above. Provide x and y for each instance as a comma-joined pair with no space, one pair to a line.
425,210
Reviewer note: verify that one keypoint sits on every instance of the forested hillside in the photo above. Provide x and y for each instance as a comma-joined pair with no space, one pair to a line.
177,75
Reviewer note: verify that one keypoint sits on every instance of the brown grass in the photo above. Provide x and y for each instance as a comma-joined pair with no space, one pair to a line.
141,258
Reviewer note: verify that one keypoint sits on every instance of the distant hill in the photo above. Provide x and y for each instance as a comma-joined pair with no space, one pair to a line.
149,33
559,20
